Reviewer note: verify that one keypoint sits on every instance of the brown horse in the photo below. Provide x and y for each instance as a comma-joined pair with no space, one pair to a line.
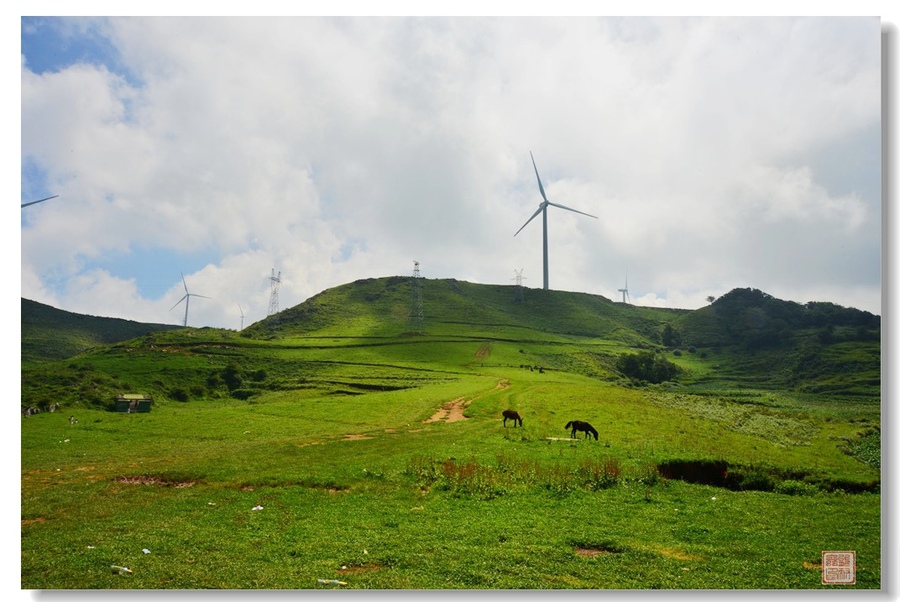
512,415
578,425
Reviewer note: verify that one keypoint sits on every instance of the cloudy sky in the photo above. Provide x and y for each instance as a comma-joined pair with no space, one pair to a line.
715,152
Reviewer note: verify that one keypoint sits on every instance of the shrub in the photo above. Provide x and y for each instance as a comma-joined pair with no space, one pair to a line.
232,377
646,366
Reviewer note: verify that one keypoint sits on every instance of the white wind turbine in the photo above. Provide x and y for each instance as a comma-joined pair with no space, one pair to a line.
542,208
624,291
39,201
242,316
186,299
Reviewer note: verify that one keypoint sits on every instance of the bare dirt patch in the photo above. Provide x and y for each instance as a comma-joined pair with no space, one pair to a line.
356,437
812,566
153,480
452,411
503,384
33,521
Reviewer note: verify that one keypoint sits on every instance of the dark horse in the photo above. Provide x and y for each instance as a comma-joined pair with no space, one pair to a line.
578,425
512,415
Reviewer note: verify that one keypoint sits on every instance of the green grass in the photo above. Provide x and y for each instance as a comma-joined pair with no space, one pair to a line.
412,504
333,422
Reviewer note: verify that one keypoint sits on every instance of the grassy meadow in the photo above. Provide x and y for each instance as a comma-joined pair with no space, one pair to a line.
331,445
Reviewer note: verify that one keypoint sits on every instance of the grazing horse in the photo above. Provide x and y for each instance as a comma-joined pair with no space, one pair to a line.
512,415
578,425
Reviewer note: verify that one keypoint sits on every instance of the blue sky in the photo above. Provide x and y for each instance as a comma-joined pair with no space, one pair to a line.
50,45
717,153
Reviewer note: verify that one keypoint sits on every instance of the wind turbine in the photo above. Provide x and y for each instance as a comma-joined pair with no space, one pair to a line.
624,291
186,299
39,201
242,316
542,208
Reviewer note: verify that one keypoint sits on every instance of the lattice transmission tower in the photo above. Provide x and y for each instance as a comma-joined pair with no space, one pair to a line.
416,320
273,297
519,296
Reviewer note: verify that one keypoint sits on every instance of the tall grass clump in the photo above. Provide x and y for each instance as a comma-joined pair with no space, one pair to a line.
595,474
424,470
469,478
484,481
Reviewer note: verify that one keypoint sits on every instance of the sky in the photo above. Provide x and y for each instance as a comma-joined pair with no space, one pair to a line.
715,153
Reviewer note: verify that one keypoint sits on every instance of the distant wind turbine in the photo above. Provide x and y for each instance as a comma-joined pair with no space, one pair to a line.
542,208
186,299
624,291
39,201
242,316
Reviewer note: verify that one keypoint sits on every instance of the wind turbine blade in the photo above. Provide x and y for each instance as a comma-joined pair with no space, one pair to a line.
39,201
179,303
203,296
541,208
540,186
570,209
183,282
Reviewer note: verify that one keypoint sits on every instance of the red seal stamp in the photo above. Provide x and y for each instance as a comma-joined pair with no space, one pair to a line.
838,568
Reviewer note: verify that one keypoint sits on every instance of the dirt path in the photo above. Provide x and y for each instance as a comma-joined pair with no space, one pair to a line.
452,411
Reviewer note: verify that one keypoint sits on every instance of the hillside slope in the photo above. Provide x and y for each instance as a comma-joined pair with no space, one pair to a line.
746,340
50,334
380,307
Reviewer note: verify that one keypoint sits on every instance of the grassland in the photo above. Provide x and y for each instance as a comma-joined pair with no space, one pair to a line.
330,444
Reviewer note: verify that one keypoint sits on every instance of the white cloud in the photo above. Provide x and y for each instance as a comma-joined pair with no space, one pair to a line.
337,149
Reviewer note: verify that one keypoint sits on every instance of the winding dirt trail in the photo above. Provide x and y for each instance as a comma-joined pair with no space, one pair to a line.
452,411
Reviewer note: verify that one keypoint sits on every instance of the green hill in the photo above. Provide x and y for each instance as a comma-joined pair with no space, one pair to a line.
745,339
50,334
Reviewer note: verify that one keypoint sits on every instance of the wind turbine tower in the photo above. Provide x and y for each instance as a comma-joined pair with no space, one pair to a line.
273,298
186,299
242,315
542,208
624,291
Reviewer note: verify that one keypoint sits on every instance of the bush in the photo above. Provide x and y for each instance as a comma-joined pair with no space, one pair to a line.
232,377
646,366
